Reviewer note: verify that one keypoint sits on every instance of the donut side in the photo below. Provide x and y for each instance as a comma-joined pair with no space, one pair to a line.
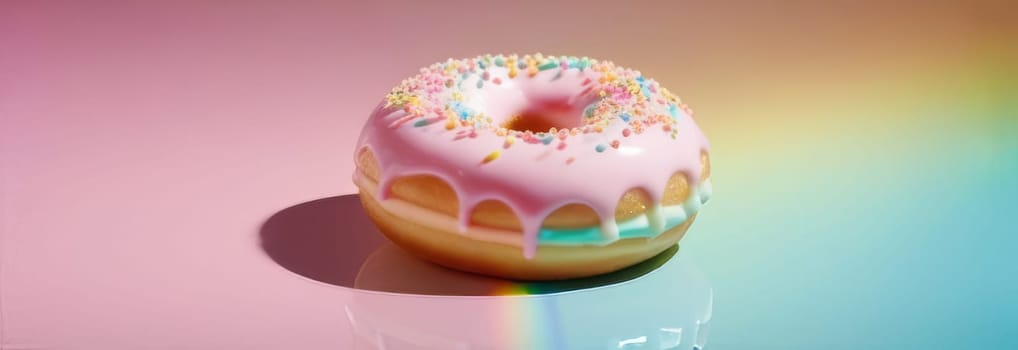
448,247
577,152
460,252
434,194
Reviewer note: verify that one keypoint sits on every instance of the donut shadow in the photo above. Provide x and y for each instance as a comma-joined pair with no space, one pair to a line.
332,240
326,239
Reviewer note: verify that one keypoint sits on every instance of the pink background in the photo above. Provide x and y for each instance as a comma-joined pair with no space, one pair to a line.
143,145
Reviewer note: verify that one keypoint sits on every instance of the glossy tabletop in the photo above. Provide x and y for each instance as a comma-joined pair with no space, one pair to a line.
177,175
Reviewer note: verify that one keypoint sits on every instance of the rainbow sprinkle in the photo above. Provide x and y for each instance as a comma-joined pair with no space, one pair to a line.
491,156
620,95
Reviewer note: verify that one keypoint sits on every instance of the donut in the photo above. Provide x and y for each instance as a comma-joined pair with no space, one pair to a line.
532,167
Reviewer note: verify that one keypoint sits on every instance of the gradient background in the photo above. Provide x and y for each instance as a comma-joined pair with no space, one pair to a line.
865,159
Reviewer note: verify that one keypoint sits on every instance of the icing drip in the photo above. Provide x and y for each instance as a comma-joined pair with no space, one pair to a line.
477,124
640,226
637,227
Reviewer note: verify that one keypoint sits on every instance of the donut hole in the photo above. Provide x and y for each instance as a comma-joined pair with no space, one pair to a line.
532,122
543,116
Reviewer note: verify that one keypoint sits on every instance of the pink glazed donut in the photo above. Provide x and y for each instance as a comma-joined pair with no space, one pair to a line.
532,167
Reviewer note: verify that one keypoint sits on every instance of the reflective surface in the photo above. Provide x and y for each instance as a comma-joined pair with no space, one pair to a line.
864,157
399,302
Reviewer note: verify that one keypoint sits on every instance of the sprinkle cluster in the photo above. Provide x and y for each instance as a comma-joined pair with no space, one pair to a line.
437,95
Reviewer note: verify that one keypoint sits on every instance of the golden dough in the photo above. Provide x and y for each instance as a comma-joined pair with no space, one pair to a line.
551,262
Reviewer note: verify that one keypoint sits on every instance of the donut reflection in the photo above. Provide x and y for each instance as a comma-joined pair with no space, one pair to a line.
390,269
394,301
406,303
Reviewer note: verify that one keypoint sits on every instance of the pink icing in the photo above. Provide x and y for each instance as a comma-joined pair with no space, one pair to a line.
531,175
